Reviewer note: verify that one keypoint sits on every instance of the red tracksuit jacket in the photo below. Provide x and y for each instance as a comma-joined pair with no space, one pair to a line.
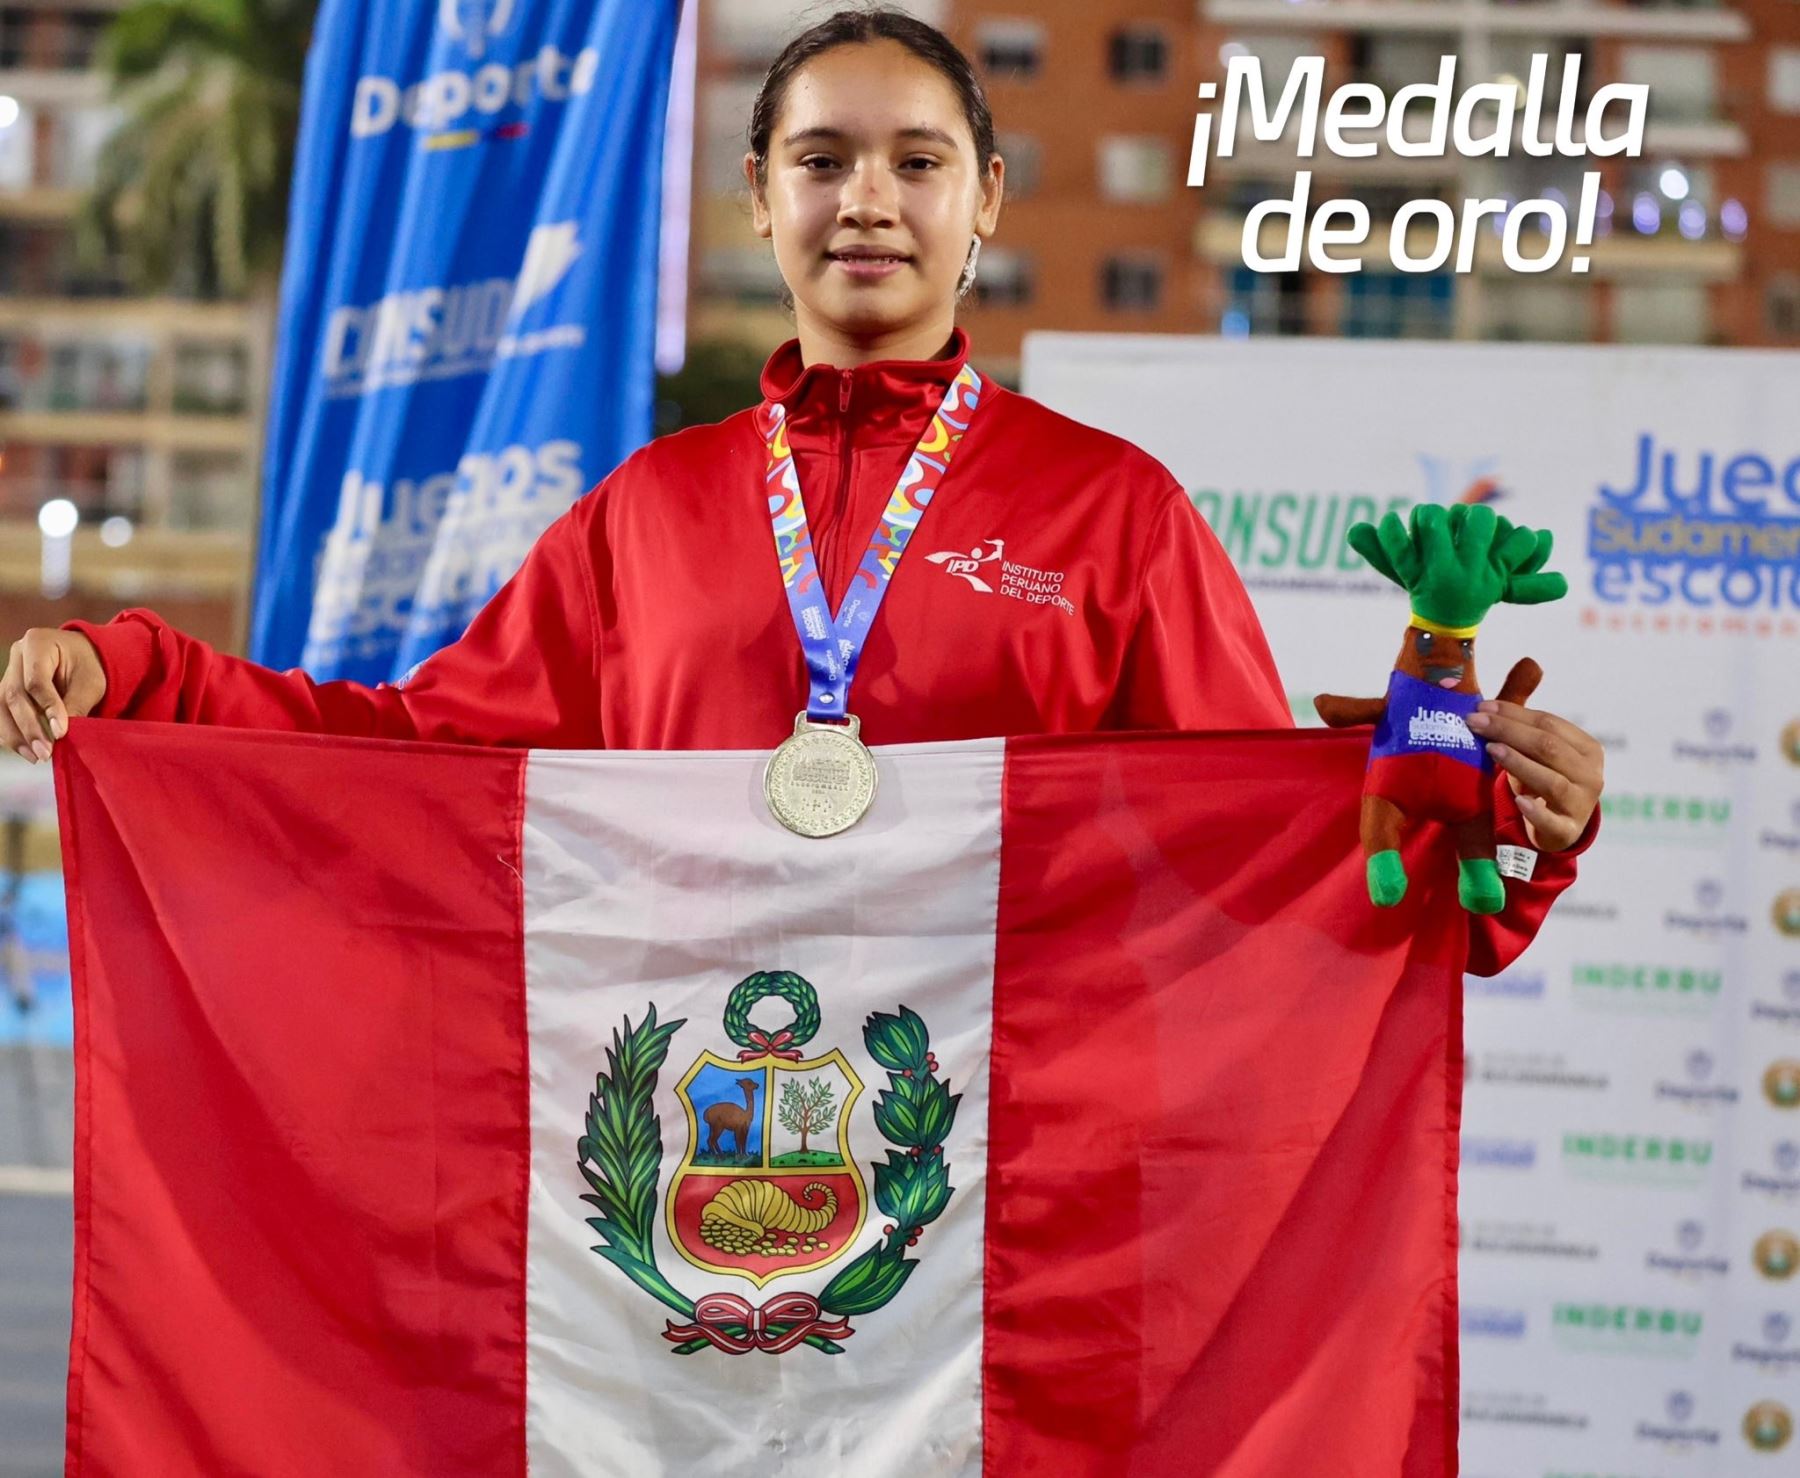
1061,583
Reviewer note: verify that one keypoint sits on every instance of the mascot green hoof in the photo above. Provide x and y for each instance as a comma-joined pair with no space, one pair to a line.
1478,885
1387,879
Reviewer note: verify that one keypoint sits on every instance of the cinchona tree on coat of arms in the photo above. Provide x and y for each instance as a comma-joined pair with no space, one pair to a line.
768,1186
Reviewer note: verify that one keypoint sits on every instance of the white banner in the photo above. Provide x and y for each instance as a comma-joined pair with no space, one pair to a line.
1631,1151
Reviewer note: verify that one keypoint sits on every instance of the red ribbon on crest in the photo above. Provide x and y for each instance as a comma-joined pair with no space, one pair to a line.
736,1326
764,1045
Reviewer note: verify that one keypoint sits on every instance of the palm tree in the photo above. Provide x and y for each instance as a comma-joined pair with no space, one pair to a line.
192,186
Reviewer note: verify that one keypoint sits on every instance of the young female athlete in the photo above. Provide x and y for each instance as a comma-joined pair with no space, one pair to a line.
1061,581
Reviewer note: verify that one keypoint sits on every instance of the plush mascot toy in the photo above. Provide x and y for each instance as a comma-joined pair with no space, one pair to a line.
1424,762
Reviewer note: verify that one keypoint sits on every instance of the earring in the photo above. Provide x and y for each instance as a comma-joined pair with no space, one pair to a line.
967,280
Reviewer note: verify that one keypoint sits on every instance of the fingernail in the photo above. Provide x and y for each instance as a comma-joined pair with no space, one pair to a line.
1478,720
1496,750
40,749
26,754
1487,705
56,728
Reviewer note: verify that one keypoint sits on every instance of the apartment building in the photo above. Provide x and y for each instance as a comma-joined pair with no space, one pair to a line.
138,412
1698,241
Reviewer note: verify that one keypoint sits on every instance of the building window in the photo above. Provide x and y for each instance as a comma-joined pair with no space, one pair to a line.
13,356
18,157
210,490
1397,305
98,376
1135,170
1004,279
1024,163
1131,282
1660,313
1783,307
1683,80
210,379
1138,54
1010,50
81,35
39,261
1783,198
15,29
1263,303
1533,310
98,480
1784,79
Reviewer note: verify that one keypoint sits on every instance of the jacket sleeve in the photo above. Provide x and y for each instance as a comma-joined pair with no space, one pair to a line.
1496,940
1198,659
1196,656
526,672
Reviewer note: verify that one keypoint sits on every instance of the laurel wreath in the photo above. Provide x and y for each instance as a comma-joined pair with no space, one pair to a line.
620,1155
783,985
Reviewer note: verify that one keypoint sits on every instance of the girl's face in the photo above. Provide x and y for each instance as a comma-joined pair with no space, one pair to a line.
872,197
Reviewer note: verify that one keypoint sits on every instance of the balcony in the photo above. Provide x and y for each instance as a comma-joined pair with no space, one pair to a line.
1662,22
1620,256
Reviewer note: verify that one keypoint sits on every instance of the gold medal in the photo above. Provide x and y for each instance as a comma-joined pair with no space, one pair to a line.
822,779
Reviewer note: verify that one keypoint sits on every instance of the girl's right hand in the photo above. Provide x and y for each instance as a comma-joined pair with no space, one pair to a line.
51,676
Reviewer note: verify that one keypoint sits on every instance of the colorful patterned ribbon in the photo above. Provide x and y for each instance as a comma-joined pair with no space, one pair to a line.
833,645
737,1327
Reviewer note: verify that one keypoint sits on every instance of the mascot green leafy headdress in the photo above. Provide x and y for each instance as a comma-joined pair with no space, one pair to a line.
1458,563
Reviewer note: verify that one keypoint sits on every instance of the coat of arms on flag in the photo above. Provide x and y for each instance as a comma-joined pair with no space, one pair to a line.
769,1185
449,1111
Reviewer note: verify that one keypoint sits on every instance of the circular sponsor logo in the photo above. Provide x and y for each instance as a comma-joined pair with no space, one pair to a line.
1781,1083
1790,742
1768,1426
1786,911
1776,1254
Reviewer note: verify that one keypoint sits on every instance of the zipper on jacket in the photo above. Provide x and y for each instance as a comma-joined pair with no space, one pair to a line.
845,381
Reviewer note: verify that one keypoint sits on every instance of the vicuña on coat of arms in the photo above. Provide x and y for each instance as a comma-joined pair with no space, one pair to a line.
768,1186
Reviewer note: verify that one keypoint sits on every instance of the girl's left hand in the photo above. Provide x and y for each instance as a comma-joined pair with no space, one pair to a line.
1555,768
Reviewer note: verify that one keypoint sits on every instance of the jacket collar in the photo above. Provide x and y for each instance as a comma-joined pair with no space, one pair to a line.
884,400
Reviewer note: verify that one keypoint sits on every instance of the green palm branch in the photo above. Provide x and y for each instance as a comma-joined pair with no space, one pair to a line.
192,187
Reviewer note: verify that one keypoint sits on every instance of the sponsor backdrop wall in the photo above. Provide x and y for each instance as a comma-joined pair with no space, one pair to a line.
467,313
1631,1152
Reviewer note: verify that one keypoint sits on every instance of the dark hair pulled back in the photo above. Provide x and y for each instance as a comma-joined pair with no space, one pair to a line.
860,27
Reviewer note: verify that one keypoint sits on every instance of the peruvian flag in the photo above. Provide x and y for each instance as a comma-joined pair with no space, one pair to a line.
453,1111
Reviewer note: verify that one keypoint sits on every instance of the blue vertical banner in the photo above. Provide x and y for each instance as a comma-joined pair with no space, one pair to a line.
467,310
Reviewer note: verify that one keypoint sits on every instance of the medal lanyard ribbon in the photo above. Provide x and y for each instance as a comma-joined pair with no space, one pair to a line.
834,644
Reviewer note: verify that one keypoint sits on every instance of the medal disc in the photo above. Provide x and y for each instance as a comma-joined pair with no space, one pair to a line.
821,780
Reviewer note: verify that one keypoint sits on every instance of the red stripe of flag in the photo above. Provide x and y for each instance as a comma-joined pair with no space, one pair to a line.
302,1137
1222,1165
